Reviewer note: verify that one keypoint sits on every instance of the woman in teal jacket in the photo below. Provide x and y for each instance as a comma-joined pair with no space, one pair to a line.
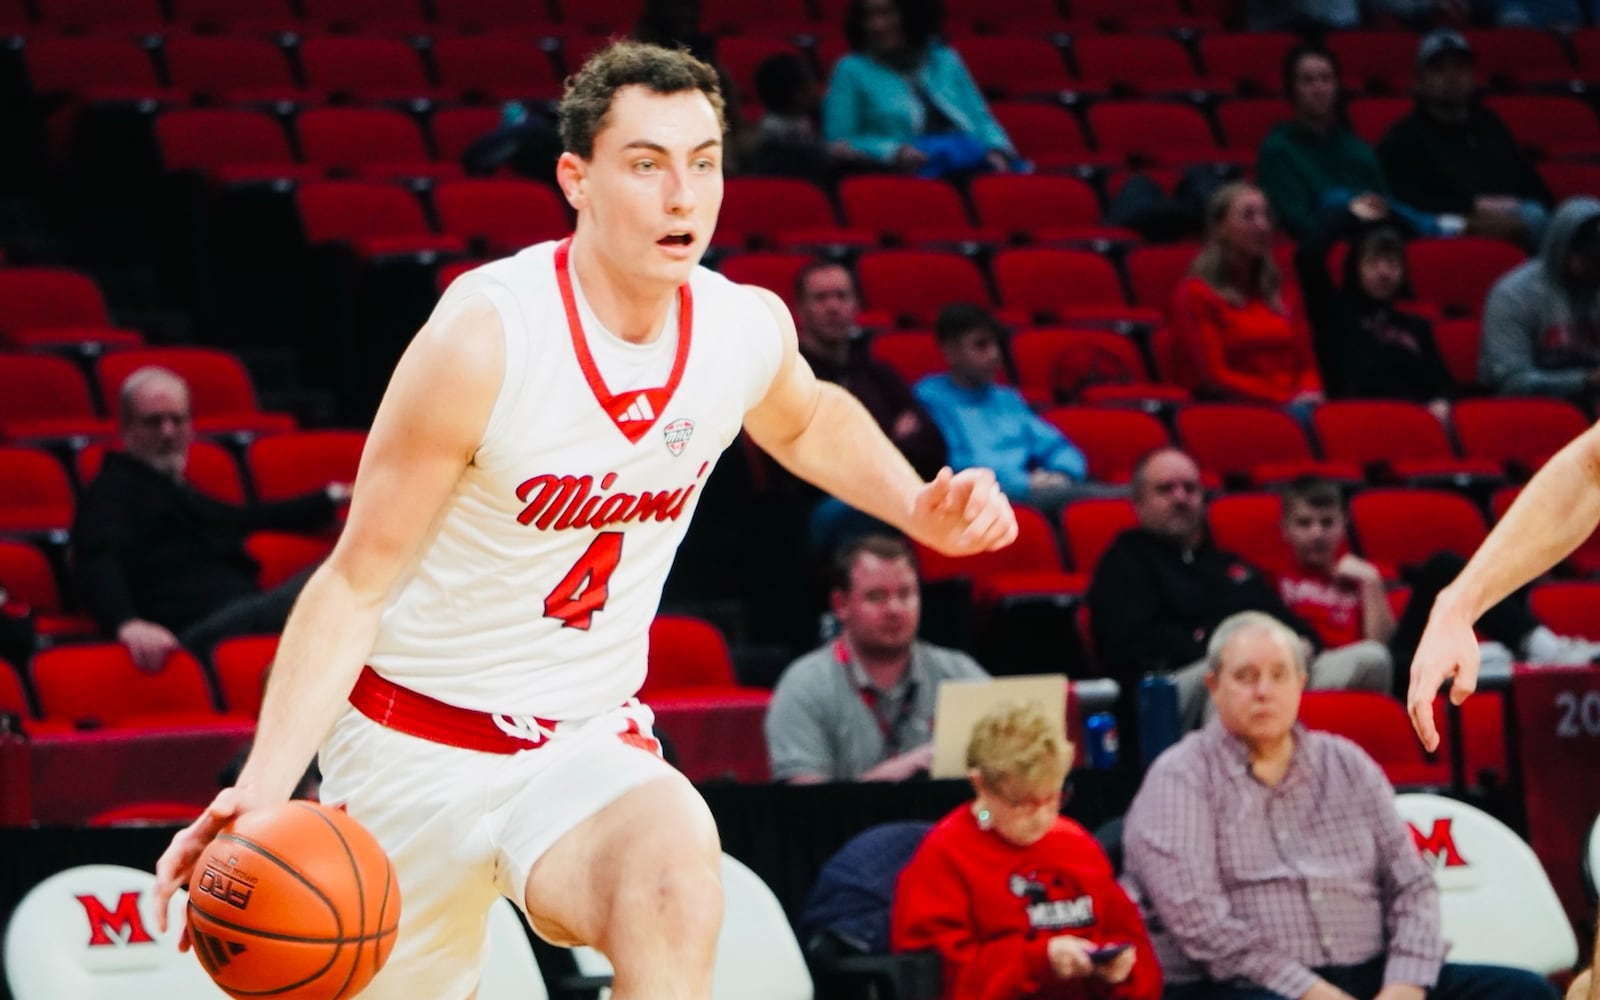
901,98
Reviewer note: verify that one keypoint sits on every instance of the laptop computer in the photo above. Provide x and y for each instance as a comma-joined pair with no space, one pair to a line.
960,704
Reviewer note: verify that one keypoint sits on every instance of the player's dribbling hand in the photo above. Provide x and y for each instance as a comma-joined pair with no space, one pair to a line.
178,860
963,512
1448,649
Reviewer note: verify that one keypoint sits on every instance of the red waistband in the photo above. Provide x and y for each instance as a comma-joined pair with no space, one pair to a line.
415,714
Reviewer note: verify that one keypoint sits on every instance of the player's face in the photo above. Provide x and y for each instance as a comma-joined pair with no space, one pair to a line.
157,429
1020,813
881,611
1257,688
648,198
828,307
1169,501
1316,534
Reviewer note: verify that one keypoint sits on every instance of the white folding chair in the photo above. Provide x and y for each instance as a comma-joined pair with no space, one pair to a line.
1591,861
1497,904
89,933
757,954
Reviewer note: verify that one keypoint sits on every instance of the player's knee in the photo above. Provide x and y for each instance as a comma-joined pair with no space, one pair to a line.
680,903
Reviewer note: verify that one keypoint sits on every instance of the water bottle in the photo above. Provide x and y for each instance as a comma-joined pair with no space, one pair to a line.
1100,732
1160,725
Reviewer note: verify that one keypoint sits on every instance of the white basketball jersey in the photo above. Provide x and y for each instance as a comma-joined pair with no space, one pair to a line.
535,591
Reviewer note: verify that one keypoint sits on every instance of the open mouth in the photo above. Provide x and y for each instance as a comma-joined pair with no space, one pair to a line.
676,240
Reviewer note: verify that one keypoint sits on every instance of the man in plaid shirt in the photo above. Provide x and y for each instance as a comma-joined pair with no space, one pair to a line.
1270,862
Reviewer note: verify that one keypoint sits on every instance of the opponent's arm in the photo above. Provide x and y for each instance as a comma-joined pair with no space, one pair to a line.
426,430
1552,516
822,434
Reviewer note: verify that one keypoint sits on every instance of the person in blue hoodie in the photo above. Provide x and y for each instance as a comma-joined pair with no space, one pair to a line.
991,425
902,99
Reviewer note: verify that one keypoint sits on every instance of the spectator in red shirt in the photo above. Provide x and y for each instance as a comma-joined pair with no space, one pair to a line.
1244,333
1339,594
1020,901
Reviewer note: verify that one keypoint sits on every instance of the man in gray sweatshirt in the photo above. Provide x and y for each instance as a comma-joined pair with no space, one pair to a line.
1541,322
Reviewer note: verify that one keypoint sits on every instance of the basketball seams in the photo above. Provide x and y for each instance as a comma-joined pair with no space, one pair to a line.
383,910
238,991
361,898
289,938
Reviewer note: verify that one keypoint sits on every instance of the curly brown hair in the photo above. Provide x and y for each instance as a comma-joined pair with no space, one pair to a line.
590,91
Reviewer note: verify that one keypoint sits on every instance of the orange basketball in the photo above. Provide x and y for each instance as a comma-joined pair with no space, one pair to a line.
295,901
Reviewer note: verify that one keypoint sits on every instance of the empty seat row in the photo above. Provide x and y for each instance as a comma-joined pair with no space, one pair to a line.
45,396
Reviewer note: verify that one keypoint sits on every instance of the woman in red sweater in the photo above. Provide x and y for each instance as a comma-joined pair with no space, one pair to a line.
1245,338
1020,901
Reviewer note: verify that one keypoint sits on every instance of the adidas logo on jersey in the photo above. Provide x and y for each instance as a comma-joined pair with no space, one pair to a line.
639,409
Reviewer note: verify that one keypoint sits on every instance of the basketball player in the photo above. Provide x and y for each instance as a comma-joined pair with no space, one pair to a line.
1551,517
467,656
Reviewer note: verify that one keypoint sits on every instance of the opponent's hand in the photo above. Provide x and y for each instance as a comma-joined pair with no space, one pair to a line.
177,862
1448,649
962,513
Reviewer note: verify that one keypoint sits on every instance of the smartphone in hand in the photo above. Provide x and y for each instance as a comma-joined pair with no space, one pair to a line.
1104,953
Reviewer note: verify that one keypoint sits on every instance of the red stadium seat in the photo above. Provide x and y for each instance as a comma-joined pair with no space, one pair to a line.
241,664
1112,440
1586,47
43,396
230,146
1252,60
1246,122
370,17
910,210
1379,725
1568,607
145,814
95,69
1043,208
1518,433
518,18
35,493
280,555
740,17
99,684
1404,440
1514,57
782,213
122,17
1406,527
26,576
1145,15
739,57
366,69
1376,60
1250,526
222,397
1257,445
1048,136
237,16
913,355
287,465
373,143
233,69
690,659
1570,180
1076,286
1090,526
55,307
1159,133
1458,341
456,129
211,470
1013,66
1062,365
916,284
1372,117
496,68
1140,64
1030,566
502,215
1550,126
776,272
374,220
1154,272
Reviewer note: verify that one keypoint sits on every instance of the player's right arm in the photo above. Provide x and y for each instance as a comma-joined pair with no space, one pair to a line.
426,431
1555,512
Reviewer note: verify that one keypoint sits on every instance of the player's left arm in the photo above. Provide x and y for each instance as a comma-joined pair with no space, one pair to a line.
825,436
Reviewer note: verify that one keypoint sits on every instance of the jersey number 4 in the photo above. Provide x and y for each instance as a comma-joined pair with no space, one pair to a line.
585,588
